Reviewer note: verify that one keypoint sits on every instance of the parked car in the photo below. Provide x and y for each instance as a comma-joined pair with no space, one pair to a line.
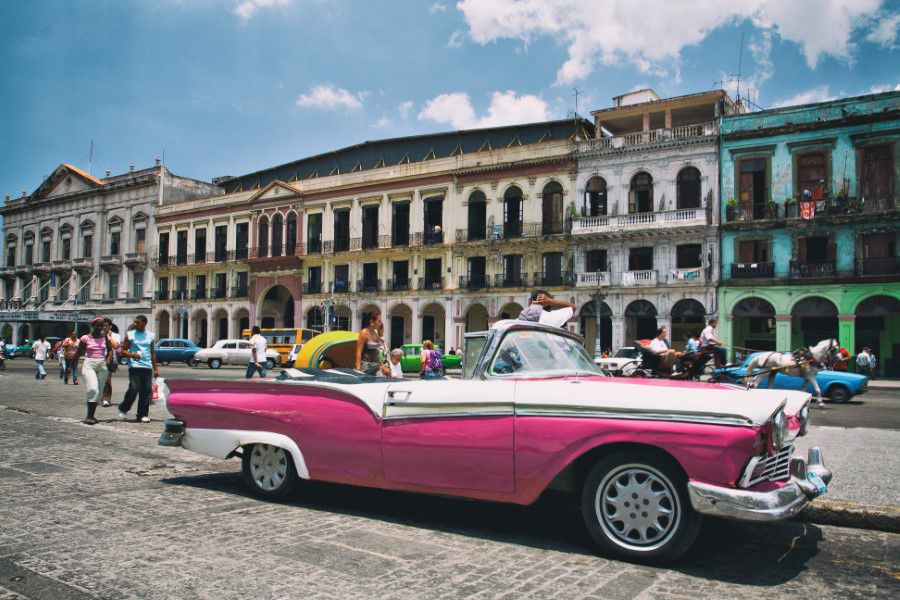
292,355
623,363
838,386
169,350
16,351
646,458
233,352
411,361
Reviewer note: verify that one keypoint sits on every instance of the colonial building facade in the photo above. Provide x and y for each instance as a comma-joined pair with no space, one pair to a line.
77,246
442,233
645,232
810,226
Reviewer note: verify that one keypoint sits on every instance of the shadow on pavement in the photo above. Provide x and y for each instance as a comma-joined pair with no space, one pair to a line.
747,554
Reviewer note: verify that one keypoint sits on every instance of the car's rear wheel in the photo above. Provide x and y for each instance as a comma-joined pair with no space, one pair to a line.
214,363
635,504
164,363
839,394
269,471
193,362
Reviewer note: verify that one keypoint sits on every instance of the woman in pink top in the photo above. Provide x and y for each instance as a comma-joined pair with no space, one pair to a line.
97,355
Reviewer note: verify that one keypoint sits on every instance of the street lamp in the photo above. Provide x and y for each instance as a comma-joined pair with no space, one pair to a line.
598,298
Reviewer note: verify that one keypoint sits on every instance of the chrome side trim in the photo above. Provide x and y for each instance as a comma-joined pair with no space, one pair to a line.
432,410
573,410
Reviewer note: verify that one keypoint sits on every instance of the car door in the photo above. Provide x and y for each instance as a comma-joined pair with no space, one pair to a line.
450,433
228,352
410,362
242,353
163,352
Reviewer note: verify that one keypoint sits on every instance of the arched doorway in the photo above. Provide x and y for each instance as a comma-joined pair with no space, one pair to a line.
640,321
640,194
510,310
433,323
476,318
200,327
687,188
878,327
512,212
688,318
162,324
315,318
220,325
240,321
6,332
753,325
552,209
812,320
595,204
276,308
477,221
588,320
24,333
401,326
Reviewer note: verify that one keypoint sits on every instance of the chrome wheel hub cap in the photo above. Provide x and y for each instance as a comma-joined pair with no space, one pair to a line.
268,466
637,507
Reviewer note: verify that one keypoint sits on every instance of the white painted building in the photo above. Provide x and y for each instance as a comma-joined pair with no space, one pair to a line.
78,247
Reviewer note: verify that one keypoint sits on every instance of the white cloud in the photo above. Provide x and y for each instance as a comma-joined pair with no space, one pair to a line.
651,34
382,122
506,108
245,9
330,97
885,32
821,93
888,87
437,7
456,39
405,108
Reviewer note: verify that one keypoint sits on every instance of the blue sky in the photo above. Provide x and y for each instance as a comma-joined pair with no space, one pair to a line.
231,86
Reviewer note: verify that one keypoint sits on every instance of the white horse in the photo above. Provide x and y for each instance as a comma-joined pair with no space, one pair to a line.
803,362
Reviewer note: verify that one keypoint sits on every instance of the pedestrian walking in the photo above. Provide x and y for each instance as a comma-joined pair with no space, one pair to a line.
70,364
98,353
138,345
369,345
432,364
40,348
111,331
258,348
396,369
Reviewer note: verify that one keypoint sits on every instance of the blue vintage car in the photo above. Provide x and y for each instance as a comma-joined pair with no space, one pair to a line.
169,350
838,386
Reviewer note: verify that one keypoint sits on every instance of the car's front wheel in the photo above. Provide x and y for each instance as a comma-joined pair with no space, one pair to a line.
164,363
635,504
839,394
193,362
269,471
214,363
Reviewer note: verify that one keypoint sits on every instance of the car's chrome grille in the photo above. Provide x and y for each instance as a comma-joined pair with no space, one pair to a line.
774,468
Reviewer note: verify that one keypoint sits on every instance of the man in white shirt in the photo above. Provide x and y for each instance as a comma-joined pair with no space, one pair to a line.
41,347
396,370
708,338
257,354
864,362
661,348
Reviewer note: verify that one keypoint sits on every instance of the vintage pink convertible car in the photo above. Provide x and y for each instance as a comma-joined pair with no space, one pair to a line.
531,412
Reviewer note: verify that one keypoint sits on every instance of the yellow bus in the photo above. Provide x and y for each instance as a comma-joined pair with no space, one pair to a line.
282,339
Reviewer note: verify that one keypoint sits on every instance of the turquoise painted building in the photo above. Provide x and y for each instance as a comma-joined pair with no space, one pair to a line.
810,218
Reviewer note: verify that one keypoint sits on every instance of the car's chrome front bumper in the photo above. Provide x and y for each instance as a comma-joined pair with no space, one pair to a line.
774,505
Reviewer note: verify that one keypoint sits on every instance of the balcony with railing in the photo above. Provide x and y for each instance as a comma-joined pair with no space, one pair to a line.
398,284
688,275
553,279
198,294
828,208
8,271
41,267
511,280
666,219
592,279
312,287
62,265
866,267
368,285
314,246
473,282
639,278
431,283
242,253
760,270
218,293
135,259
671,135
111,262
83,264
240,291
812,269
23,269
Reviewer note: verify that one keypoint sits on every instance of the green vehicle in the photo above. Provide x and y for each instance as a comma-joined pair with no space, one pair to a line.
411,361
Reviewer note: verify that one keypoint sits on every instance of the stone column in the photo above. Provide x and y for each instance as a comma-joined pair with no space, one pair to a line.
618,332
847,332
783,333
449,328
416,326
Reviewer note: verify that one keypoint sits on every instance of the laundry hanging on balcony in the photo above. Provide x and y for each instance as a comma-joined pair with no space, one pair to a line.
808,210
628,278
686,273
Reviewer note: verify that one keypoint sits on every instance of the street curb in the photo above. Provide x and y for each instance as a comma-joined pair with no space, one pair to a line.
850,514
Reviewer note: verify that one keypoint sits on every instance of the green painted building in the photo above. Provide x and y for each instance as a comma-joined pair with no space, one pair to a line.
810,221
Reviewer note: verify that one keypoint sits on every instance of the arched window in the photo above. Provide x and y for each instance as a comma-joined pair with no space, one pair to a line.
595,198
552,209
477,216
277,233
687,192
290,245
262,241
512,213
640,197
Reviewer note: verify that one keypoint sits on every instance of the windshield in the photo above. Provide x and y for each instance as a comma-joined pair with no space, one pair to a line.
628,353
470,357
528,352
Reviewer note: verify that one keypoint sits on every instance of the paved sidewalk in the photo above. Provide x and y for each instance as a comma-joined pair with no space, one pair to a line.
884,384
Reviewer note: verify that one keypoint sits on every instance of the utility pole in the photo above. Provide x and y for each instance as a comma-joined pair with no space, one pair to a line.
598,298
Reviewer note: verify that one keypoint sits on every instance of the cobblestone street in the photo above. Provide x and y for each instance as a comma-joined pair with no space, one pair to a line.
105,512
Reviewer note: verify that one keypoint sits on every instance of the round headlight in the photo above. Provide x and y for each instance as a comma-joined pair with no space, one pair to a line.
780,430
